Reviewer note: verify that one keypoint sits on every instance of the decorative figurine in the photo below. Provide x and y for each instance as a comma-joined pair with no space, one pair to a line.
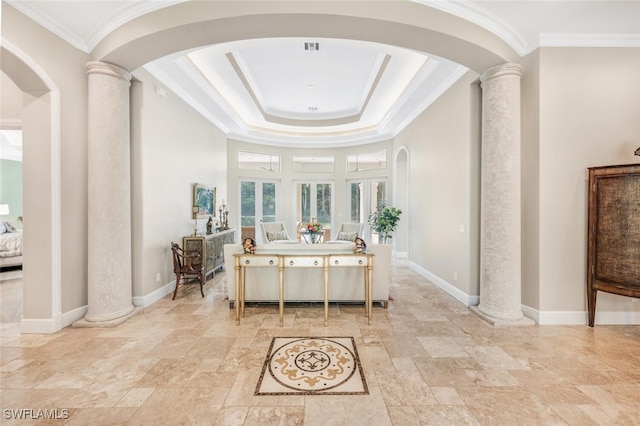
249,246
361,246
209,225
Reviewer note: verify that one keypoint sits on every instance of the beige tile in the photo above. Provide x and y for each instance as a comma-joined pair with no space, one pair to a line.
443,347
506,405
447,415
447,396
426,359
135,397
404,387
403,416
266,416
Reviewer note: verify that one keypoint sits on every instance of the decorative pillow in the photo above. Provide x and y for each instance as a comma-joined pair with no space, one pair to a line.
3,228
10,227
347,236
276,236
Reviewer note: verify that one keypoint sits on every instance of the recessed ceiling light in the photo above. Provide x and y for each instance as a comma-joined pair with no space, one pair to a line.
311,86
311,47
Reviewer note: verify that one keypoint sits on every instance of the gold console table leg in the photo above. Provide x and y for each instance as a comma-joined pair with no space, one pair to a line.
325,267
237,287
281,288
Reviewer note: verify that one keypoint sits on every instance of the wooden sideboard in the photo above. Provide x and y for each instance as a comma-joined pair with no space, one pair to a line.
613,259
210,247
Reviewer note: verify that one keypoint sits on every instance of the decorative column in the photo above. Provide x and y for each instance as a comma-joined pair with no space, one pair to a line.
500,216
109,200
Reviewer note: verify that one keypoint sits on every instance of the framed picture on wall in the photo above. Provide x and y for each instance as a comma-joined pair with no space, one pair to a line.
204,200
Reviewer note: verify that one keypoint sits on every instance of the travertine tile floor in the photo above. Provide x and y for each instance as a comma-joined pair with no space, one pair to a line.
427,360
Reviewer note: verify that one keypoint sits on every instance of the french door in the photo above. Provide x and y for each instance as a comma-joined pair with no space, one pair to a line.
364,197
258,203
314,201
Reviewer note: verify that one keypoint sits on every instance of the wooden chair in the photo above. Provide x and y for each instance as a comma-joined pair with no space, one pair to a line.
187,266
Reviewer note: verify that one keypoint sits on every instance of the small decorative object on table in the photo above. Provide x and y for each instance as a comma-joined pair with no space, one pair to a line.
637,151
360,247
195,219
249,246
224,216
313,228
210,225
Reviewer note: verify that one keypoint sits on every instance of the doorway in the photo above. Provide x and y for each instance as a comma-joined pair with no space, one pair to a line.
365,195
258,203
314,201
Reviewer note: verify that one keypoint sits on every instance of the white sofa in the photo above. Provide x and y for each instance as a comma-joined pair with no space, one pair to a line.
346,284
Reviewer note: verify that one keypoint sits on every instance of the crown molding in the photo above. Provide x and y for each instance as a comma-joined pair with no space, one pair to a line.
122,15
125,14
483,18
34,13
589,40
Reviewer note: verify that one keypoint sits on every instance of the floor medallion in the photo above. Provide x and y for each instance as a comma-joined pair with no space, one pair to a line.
312,365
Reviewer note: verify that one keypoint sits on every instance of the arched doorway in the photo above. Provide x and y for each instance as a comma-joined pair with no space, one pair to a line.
42,312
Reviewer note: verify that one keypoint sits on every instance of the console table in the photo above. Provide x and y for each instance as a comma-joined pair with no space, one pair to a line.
319,261
210,247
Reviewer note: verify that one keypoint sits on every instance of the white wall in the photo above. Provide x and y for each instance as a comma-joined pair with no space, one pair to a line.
530,161
589,116
443,144
173,147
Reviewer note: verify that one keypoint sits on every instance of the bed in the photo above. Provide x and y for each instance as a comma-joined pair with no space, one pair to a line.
10,246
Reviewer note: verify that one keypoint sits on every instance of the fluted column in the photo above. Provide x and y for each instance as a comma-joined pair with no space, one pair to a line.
500,227
109,187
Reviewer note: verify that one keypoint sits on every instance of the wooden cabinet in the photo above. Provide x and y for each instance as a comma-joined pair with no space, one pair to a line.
210,248
613,259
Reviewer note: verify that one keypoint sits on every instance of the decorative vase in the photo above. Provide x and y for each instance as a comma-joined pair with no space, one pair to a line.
314,237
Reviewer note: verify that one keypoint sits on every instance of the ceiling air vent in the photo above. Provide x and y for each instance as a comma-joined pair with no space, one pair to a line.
311,47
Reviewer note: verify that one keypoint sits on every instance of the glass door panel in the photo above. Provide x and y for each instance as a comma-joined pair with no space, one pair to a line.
258,203
365,197
268,202
314,201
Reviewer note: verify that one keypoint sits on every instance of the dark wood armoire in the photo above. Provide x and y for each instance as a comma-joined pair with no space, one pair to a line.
613,259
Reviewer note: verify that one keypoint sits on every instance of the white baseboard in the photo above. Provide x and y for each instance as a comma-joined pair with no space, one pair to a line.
540,317
77,314
453,291
41,326
154,296
48,326
581,317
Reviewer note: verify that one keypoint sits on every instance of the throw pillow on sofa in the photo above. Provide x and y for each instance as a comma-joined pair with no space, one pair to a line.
347,236
277,236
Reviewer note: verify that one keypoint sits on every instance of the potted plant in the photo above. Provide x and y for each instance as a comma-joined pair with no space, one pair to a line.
384,220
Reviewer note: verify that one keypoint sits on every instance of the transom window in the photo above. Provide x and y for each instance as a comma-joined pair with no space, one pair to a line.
258,161
367,161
